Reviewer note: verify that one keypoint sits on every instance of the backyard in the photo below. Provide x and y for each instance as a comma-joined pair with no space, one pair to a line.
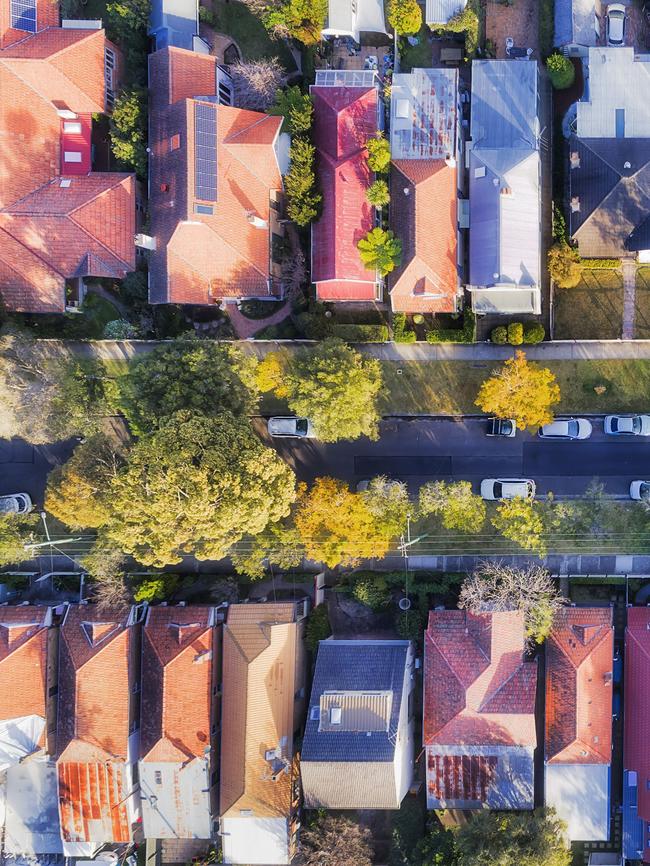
239,23
593,310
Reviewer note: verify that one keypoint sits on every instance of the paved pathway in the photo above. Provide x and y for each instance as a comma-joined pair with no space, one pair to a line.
245,327
629,296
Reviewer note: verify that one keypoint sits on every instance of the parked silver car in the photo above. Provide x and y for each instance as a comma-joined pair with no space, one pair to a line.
507,488
627,425
16,503
616,22
568,428
296,428
640,490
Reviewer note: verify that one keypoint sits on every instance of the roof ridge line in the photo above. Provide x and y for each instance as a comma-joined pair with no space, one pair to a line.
502,686
70,215
262,119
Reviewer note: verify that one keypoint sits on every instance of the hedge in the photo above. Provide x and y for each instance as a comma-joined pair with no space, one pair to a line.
466,334
401,332
516,333
361,333
599,264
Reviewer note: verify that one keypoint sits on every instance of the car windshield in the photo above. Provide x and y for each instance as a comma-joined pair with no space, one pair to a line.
301,426
572,428
506,427
636,424
498,489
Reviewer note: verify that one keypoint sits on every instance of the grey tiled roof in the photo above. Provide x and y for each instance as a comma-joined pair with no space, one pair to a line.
355,666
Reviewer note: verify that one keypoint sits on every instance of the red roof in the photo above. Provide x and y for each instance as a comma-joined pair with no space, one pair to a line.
579,661
423,215
177,670
49,232
636,738
23,662
202,257
344,119
95,687
478,688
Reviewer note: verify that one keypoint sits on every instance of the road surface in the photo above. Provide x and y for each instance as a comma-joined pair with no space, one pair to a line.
24,468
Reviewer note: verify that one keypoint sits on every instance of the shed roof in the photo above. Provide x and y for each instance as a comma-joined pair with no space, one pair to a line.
348,19
440,11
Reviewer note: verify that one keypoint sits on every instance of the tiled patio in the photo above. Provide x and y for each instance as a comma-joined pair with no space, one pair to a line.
519,22
364,56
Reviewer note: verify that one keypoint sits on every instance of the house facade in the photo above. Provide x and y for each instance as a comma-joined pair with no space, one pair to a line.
60,221
578,730
636,733
357,749
263,704
479,711
505,255
347,112
609,164
180,674
426,148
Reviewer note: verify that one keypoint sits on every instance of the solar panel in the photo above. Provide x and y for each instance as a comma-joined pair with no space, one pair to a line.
23,15
205,152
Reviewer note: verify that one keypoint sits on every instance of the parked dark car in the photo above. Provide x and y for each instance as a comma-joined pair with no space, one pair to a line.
501,427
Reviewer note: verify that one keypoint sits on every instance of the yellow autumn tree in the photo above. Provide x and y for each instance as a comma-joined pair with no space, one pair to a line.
336,526
521,390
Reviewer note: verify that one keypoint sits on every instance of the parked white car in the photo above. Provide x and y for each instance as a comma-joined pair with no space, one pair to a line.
627,425
16,503
296,428
640,490
507,488
566,428
616,24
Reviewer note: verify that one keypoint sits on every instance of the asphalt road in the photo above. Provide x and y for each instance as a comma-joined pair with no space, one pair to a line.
24,468
421,449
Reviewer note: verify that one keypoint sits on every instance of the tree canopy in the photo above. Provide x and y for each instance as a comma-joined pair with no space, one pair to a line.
296,108
378,153
388,502
279,544
513,839
336,526
336,388
405,16
564,264
380,250
196,485
199,375
14,534
521,520
304,199
455,503
378,194
128,130
521,390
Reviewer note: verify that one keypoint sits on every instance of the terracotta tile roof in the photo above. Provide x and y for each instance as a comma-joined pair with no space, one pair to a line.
203,257
579,653
177,670
45,238
478,689
425,220
95,687
344,119
23,662
636,754
262,670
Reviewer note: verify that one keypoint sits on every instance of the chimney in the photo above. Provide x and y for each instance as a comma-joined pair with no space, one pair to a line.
575,204
164,187
575,159
627,165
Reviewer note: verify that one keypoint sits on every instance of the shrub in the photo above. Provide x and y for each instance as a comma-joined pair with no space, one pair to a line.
318,627
380,250
120,329
534,333
564,265
409,624
303,198
361,333
405,16
313,325
378,194
559,224
401,332
157,588
128,131
600,264
499,335
466,334
515,333
561,71
372,591
418,319
465,22
297,109
283,331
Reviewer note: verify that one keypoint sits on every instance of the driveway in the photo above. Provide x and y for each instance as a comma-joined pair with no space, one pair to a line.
422,449
24,468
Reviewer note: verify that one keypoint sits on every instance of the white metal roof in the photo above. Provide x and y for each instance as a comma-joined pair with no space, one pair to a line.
18,738
347,19
31,810
175,799
580,795
255,841
617,80
440,11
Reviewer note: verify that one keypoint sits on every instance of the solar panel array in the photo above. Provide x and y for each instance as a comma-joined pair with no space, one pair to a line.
205,152
23,15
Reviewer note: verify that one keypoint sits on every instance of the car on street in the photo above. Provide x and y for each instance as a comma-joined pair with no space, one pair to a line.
566,428
16,503
627,425
507,488
289,425
640,490
502,427
616,24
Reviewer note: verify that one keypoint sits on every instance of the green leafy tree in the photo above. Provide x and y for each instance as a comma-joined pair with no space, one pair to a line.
304,200
334,840
521,520
409,624
126,25
198,375
318,627
380,250
495,586
128,131
465,22
405,16
337,388
521,390
302,20
279,544
372,590
561,71
196,485
297,109
336,526
378,153
14,534
120,329
78,491
437,847
513,839
378,194
455,504
388,502
564,265
157,588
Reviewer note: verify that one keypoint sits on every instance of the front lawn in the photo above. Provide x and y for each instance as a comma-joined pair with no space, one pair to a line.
642,312
593,310
237,21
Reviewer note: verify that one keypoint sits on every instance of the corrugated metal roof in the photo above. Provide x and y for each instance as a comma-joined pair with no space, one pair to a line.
616,78
355,711
424,114
440,11
176,799
580,794
575,22
255,841
92,801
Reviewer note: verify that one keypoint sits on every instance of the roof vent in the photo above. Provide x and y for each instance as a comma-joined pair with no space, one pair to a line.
65,182
584,753
407,191
506,190
495,276
495,181
164,187
450,162
575,159
627,164
575,204
608,678
256,221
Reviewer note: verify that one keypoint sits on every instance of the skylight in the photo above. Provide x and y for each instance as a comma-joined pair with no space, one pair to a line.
23,15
